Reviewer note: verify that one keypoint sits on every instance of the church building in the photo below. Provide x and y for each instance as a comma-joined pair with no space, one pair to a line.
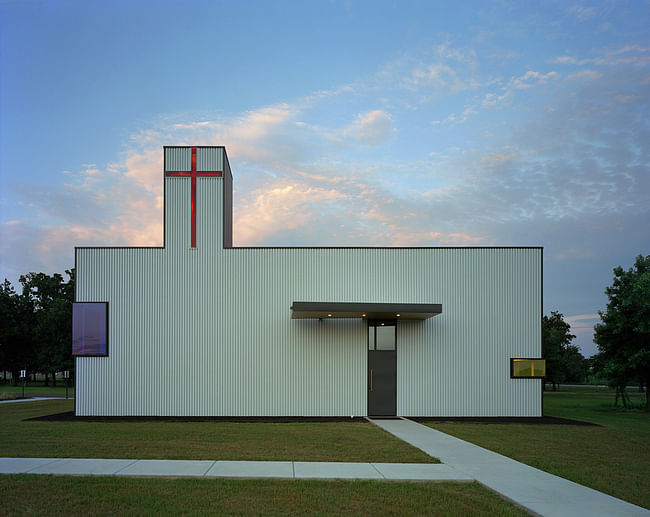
199,327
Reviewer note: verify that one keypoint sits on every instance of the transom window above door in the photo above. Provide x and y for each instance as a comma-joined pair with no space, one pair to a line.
382,335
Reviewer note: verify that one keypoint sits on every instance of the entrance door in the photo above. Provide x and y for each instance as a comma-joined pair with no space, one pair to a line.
382,368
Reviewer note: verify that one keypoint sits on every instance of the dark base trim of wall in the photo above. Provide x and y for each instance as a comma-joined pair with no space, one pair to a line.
502,420
69,416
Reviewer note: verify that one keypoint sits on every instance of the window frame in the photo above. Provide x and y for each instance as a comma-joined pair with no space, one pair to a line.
533,359
378,323
106,339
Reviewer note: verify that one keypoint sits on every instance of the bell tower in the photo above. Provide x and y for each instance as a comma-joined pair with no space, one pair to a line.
190,176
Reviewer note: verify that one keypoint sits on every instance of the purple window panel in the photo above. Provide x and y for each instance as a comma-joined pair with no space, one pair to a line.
89,328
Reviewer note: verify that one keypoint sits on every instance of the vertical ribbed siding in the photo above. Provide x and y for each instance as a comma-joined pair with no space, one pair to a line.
208,331
178,214
178,159
208,210
286,367
458,364
209,159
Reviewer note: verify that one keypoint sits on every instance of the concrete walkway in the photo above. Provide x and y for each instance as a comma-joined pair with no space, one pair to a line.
32,399
233,469
538,491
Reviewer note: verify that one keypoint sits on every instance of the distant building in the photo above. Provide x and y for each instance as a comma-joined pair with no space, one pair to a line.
201,328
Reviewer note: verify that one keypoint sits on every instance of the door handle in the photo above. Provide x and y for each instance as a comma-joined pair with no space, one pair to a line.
371,379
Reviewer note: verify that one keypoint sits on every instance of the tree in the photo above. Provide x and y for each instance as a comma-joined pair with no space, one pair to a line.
556,348
16,331
52,300
7,321
623,335
575,365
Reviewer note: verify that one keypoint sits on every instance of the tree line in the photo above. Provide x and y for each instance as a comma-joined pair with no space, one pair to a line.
36,325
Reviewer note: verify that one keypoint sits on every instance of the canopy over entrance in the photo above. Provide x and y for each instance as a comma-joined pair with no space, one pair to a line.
372,311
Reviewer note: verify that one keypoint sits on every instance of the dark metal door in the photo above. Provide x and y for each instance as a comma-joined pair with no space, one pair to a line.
382,383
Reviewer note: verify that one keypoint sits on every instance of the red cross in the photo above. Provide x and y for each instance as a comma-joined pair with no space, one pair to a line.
193,174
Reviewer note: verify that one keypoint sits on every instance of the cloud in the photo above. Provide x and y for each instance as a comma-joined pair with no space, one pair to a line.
582,327
435,74
256,124
532,78
490,99
586,75
461,239
630,48
280,206
497,158
634,55
457,119
565,60
525,81
372,128
582,13
573,254
442,70
625,98
582,320
143,168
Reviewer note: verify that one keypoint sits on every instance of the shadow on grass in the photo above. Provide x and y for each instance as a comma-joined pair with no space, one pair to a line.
543,420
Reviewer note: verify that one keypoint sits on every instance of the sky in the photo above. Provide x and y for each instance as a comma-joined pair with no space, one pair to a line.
411,123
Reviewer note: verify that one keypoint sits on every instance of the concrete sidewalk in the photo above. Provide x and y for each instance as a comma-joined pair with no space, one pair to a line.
32,399
233,469
538,491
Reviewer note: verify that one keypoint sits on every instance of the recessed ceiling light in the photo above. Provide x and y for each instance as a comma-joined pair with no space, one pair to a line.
397,315
363,315
329,315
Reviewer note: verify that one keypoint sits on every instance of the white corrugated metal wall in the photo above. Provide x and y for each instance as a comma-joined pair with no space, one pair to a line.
208,331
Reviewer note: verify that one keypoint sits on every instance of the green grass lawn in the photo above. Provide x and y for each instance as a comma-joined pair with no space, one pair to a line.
71,495
614,458
300,441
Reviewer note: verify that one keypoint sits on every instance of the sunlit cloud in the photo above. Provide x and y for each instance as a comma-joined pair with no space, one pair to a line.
282,207
582,325
372,128
580,320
